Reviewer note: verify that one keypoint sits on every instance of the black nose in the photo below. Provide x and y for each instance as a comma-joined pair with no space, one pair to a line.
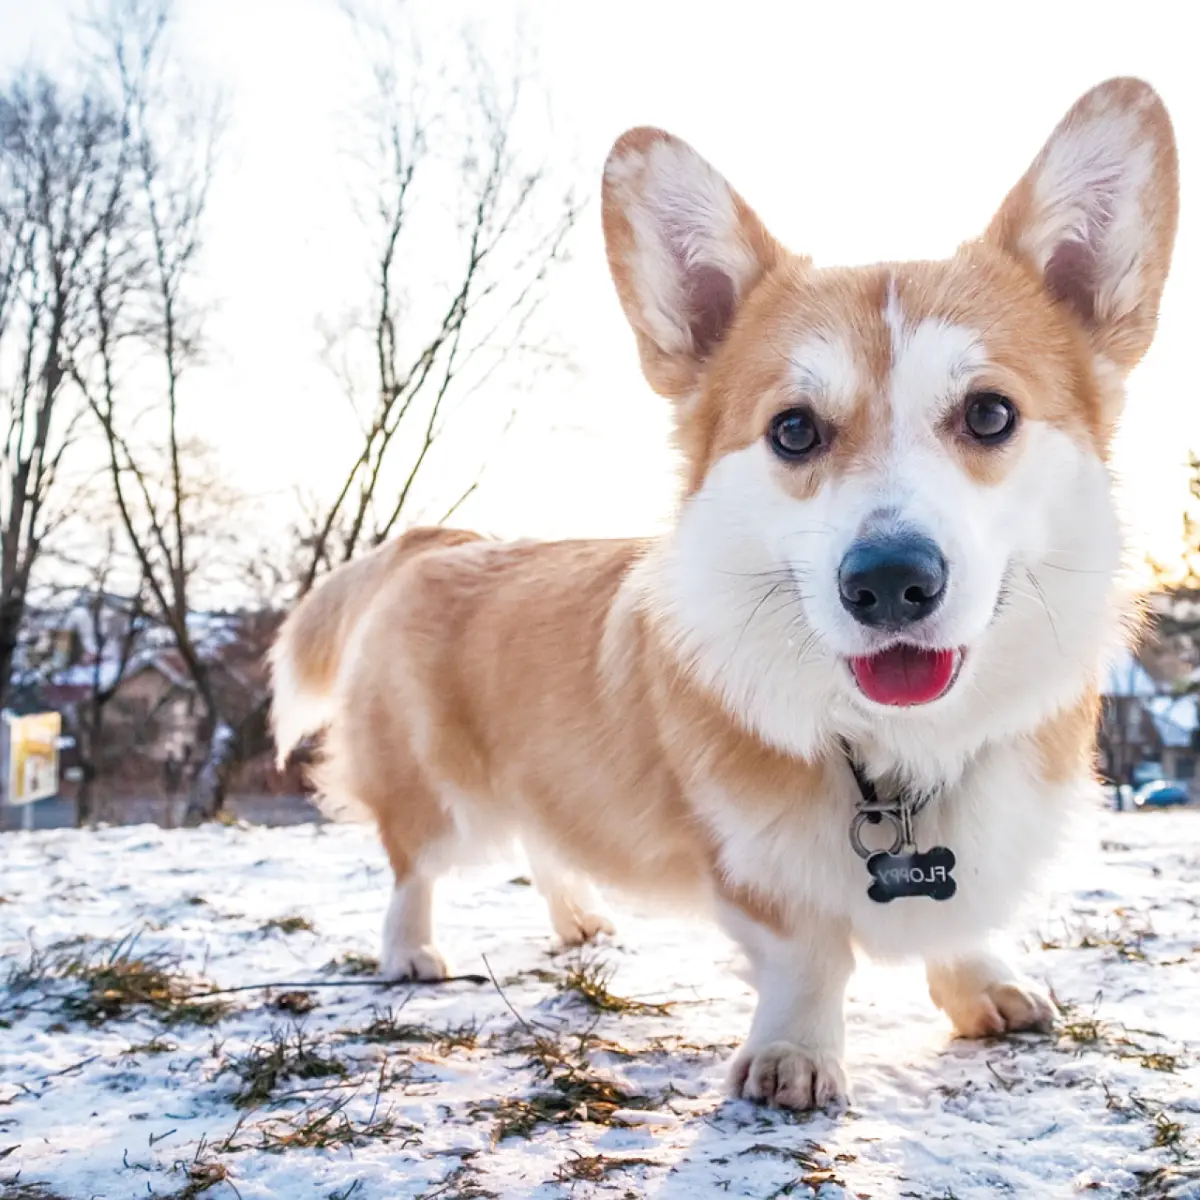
889,583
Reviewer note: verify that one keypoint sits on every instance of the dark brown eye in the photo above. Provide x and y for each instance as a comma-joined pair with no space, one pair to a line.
990,418
794,434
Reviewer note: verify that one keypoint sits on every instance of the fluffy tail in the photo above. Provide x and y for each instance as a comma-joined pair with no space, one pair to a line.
308,651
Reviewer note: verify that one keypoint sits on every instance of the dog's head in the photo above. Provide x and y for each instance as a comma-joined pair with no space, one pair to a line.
896,482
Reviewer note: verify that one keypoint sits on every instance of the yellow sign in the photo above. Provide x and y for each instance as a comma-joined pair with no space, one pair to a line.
33,757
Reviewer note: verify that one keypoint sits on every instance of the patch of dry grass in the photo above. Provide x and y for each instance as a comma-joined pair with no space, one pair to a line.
386,1027
352,965
813,1172
461,1184
596,1168
297,1003
571,1089
1087,1031
326,1125
325,1122
1126,936
283,1055
293,923
14,1189
156,1045
578,1094
588,979
99,981
201,1174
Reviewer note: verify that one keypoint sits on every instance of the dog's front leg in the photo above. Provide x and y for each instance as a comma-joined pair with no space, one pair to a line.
793,1054
983,995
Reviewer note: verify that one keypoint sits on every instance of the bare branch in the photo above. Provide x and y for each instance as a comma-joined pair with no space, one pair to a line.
60,167
426,360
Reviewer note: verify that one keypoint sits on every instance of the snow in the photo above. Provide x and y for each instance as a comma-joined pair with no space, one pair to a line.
85,1115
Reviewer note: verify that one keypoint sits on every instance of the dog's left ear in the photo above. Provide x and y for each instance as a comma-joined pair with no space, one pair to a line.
685,250
1095,215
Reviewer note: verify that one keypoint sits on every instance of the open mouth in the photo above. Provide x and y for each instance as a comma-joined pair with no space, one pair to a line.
904,676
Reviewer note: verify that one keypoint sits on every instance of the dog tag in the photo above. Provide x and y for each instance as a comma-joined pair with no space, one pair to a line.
915,874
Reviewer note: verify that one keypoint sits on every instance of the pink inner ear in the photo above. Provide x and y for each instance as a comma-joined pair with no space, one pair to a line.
1072,272
710,300
709,295
1071,277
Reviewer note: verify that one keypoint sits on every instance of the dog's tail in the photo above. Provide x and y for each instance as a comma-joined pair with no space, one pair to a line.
308,651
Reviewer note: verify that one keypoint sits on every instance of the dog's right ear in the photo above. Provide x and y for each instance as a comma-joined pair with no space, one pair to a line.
684,250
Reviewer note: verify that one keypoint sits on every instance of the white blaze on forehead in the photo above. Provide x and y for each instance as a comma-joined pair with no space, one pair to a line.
933,362
823,365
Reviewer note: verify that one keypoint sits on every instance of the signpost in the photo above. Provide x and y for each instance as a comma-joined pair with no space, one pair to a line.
31,750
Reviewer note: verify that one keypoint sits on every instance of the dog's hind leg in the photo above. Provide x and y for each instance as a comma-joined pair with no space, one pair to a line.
576,910
409,950
415,834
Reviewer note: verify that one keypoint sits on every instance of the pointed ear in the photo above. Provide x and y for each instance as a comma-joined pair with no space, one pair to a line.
684,249
1095,215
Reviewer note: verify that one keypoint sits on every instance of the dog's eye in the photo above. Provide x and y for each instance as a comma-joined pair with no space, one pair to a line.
794,433
989,417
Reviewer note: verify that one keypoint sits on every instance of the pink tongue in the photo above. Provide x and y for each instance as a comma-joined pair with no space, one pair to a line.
904,675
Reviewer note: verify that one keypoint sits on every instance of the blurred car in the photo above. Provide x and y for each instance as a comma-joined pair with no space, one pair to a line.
1146,772
1161,794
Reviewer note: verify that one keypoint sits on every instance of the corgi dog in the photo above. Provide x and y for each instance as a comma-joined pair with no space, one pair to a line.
849,699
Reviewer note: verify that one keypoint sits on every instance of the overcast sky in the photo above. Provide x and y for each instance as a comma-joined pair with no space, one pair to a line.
859,132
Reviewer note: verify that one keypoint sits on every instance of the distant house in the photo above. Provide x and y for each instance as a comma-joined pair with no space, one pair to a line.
153,724
1148,719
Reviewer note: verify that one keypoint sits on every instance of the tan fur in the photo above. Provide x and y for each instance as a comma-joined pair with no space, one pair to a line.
311,644
510,674
516,709
1067,742
315,635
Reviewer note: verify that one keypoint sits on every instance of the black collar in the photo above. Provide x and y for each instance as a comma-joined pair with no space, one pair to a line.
870,797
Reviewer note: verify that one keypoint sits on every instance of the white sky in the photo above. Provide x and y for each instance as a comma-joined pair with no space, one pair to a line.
858,131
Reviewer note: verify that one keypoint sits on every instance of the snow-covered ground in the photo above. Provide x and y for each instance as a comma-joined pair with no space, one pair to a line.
541,1083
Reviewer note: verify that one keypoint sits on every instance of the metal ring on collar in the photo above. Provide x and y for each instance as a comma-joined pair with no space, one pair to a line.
862,818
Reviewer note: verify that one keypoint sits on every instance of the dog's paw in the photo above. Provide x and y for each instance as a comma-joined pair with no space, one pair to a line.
575,928
422,963
999,1008
785,1075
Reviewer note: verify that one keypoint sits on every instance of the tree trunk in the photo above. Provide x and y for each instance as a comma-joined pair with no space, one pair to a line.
83,798
12,612
89,753
206,796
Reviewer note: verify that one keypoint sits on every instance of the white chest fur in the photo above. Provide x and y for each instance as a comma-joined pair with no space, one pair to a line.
1001,820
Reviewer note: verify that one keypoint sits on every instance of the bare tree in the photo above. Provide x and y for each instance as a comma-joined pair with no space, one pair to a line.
60,176
117,625
425,341
147,331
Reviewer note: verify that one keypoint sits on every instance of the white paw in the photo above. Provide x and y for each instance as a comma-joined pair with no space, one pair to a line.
424,963
576,928
999,1008
788,1076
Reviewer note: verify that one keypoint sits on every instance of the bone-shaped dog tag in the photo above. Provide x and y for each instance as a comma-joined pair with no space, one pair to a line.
915,874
